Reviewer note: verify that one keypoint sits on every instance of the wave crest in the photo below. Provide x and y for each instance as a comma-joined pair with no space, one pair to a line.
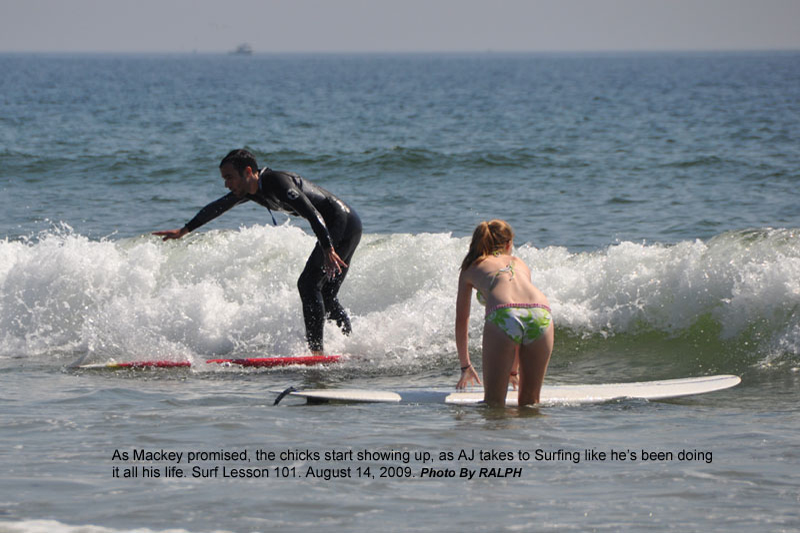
233,292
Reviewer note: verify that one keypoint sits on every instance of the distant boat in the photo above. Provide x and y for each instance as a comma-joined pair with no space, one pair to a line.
243,49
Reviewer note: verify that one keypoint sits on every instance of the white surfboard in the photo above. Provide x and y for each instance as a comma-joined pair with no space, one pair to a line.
550,395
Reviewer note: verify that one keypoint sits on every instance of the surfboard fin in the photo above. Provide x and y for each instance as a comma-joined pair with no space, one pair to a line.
282,395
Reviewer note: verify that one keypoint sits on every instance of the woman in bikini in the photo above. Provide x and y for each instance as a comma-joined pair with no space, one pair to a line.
518,331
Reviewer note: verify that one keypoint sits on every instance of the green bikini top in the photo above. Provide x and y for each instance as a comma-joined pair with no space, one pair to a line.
481,299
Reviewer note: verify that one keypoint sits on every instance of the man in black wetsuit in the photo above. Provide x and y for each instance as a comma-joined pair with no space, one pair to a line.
337,227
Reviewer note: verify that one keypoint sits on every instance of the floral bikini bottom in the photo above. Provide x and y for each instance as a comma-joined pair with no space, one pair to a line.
523,323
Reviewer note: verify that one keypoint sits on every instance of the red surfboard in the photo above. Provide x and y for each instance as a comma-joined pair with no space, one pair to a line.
310,360
267,362
138,364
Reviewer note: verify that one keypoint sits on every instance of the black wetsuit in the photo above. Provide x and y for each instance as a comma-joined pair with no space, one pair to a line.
334,223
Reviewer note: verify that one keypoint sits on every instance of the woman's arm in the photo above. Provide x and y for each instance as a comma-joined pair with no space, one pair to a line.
463,301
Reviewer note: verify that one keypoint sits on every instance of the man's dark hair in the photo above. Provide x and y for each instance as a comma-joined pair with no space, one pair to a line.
240,159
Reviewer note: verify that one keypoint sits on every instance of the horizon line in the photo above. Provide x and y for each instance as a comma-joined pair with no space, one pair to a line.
414,52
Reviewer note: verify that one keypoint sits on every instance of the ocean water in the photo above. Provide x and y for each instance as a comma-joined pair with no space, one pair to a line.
653,195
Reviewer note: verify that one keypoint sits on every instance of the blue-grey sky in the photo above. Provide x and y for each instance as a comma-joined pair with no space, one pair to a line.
397,25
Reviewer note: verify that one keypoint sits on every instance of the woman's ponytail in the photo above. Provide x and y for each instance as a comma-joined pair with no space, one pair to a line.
488,238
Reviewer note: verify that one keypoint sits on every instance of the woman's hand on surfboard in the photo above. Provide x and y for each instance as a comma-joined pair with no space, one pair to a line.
468,377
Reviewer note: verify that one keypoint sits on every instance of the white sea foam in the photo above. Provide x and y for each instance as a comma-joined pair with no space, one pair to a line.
234,292
53,526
